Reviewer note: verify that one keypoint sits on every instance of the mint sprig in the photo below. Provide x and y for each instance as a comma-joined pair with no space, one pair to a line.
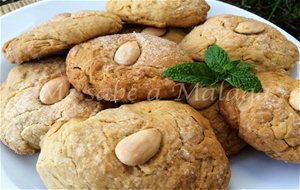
217,67
192,72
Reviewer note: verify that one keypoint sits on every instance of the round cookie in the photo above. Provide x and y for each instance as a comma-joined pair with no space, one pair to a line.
267,121
161,14
172,34
24,118
189,156
125,67
227,136
62,32
243,39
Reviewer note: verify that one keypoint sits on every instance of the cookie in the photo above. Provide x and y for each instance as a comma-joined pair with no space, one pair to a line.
61,32
206,101
243,39
161,14
24,117
125,67
269,120
172,34
228,137
185,152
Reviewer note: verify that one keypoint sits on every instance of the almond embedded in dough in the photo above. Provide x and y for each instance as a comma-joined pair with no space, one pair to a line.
154,31
202,97
128,53
139,147
295,99
55,90
249,27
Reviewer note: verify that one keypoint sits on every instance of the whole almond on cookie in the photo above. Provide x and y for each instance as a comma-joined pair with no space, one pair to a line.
154,31
249,27
202,97
127,53
139,147
55,90
294,99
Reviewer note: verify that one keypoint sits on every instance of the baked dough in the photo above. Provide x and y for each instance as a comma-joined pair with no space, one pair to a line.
61,32
172,34
23,117
243,39
266,120
80,154
91,68
158,13
228,137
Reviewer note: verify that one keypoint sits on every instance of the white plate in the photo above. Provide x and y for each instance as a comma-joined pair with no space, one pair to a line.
250,169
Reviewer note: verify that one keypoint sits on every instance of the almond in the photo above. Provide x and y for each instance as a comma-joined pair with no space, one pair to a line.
175,34
55,90
138,148
250,27
154,31
295,99
128,53
202,97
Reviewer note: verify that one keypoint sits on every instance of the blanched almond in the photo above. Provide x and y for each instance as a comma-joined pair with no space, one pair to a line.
250,27
138,148
55,90
175,34
202,97
295,99
127,53
154,31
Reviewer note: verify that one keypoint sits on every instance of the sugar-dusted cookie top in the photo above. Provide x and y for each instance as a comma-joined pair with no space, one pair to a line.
62,32
89,153
243,39
270,120
35,97
125,67
158,13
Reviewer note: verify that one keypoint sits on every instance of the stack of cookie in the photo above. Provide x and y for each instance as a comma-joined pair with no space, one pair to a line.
71,106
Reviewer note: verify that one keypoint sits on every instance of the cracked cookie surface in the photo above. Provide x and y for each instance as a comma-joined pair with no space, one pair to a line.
244,39
92,69
228,137
61,32
80,154
24,118
266,120
157,13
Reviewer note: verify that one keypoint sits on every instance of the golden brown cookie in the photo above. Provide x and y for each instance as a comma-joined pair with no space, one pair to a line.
125,67
227,136
188,155
172,34
61,32
243,39
161,14
268,121
206,101
24,117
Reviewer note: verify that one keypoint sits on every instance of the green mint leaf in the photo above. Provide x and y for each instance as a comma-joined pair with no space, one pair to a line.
242,66
218,68
244,80
217,59
191,72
